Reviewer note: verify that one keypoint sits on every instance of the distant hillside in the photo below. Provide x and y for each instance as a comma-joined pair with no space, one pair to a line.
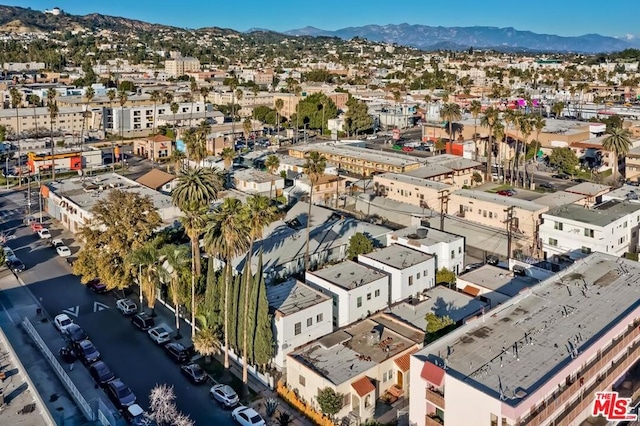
460,38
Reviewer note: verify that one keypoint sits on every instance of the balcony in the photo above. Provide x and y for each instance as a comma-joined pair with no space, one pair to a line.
435,397
433,421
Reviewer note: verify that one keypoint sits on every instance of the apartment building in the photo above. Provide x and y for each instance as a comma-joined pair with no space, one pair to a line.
177,67
493,285
69,119
357,290
254,181
289,103
408,189
540,358
144,117
632,165
326,189
610,227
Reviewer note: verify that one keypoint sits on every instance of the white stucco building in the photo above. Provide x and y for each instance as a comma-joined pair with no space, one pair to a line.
411,271
357,290
301,315
254,181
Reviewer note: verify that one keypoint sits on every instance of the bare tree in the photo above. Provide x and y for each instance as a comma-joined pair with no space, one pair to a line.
162,404
182,420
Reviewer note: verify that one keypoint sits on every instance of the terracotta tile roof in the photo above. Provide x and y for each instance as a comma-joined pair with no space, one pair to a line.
403,361
155,179
473,291
432,373
363,386
159,138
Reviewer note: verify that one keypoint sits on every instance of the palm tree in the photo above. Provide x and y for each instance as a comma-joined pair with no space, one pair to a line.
207,340
450,112
34,100
89,93
618,143
476,108
258,213
237,96
111,94
189,138
122,97
16,100
193,86
247,127
156,96
178,158
53,114
498,136
314,169
526,128
200,147
272,163
557,108
228,155
489,119
227,236
176,258
204,91
174,109
279,105
145,259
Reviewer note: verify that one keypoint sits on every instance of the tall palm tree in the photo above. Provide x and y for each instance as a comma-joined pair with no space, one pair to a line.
526,128
189,137
178,158
227,236
122,98
16,100
557,108
89,93
279,105
618,143
475,108
35,101
156,96
489,119
144,261
176,258
450,112
258,213
228,155
174,109
111,94
193,87
200,151
204,92
233,85
53,114
193,222
314,169
272,163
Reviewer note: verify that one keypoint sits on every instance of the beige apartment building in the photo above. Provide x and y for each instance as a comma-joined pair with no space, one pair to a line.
69,119
103,101
179,66
632,168
409,189
290,103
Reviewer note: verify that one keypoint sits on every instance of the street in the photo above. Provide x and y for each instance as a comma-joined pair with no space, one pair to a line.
129,352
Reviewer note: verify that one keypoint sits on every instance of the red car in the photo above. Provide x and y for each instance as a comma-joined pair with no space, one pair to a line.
407,148
505,192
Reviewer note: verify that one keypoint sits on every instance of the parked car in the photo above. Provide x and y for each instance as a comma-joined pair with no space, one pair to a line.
8,252
225,395
407,148
101,373
120,394
96,286
472,266
35,227
57,242
505,193
143,321
126,306
15,264
63,251
547,186
86,352
160,334
177,352
561,176
44,234
74,333
194,373
397,147
579,180
247,416
136,416
492,260
62,322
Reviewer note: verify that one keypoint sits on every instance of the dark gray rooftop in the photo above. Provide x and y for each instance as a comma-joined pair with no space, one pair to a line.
293,296
600,215
349,275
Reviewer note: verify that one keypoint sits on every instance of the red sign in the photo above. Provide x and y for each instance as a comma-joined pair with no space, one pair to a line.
396,134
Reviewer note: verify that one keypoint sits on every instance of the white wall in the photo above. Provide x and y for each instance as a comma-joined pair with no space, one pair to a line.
466,405
399,284
442,252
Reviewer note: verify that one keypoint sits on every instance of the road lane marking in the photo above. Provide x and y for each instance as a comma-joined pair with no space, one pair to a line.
97,307
74,311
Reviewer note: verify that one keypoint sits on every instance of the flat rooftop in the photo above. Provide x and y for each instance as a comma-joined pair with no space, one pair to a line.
624,193
601,215
453,162
440,301
430,171
399,257
499,199
361,153
345,354
558,198
498,279
425,236
293,296
254,175
410,180
589,189
529,339
349,274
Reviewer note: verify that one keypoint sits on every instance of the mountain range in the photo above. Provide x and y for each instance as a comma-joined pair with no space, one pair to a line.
462,38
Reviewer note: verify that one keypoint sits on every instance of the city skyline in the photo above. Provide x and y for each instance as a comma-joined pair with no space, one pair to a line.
544,17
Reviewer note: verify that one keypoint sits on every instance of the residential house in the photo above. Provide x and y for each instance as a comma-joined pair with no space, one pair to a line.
327,189
357,290
411,271
155,148
158,180
610,227
300,315
632,165
255,181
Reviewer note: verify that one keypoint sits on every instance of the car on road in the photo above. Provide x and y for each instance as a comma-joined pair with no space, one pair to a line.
15,264
143,321
407,148
101,373
194,373
86,352
126,306
397,147
8,252
472,266
56,242
492,260
160,334
63,251
177,352
96,286
62,322
136,416
561,176
225,395
35,227
74,333
44,234
120,394
247,416
547,186
579,180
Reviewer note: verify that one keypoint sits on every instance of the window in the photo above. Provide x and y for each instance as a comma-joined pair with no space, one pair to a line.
459,249
418,276
624,225
558,226
390,374
309,322
368,296
484,213
553,242
297,328
302,380
585,250
494,420
318,318
411,280
588,232
376,293
359,302
384,377
453,254
425,273
490,215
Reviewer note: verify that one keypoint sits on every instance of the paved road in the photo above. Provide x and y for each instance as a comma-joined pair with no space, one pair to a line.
130,353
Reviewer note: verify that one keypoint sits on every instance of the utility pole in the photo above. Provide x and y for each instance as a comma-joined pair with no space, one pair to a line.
444,203
509,221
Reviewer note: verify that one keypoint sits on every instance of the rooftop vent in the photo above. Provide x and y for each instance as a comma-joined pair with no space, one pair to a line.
422,232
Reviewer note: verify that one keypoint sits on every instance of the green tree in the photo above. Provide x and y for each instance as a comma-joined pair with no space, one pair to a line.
111,233
330,401
53,114
262,344
176,261
618,143
443,275
450,112
490,119
272,163
16,100
127,86
357,117
475,108
359,243
156,96
557,108
228,155
564,159
207,339
247,127
314,169
279,104
315,110
435,325
143,262
122,99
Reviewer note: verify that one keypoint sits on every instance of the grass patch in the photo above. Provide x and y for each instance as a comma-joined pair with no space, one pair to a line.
499,188
217,371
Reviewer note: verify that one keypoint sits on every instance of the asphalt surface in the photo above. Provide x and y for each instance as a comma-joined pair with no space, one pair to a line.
129,352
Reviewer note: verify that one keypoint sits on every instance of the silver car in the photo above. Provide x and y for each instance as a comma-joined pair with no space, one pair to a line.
225,395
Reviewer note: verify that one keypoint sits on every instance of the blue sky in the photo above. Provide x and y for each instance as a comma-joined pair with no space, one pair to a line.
542,16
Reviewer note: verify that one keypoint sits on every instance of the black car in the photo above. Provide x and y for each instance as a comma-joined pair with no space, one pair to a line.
177,352
96,286
548,186
492,260
74,333
194,373
561,176
120,394
101,373
16,265
143,321
579,180
86,352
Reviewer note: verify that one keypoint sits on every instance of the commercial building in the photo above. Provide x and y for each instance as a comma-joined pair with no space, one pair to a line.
540,358
408,189
64,160
155,148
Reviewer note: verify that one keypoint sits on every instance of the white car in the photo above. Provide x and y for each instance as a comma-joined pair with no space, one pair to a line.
126,306
62,322
225,395
8,252
63,251
160,334
44,234
57,242
247,416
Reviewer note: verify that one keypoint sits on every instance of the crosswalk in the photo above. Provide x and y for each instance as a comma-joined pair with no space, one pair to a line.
10,213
